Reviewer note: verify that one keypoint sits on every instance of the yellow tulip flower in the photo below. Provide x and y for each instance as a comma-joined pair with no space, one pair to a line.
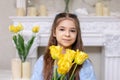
35,29
80,57
11,28
15,29
64,66
55,51
19,27
70,55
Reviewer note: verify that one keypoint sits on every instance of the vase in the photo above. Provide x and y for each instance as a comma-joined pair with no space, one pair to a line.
16,66
67,5
26,70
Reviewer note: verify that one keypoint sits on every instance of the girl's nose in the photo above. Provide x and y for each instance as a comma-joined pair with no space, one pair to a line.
67,33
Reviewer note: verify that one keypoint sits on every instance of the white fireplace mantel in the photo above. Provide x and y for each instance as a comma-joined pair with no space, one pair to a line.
96,31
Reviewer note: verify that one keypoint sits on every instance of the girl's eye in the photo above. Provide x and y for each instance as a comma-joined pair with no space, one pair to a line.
61,29
73,30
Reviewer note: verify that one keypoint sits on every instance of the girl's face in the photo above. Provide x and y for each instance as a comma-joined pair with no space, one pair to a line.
65,33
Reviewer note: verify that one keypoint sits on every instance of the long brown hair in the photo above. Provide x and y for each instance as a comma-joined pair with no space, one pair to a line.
48,61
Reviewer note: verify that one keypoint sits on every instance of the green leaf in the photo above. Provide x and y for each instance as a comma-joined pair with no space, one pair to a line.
28,46
57,75
52,78
21,43
62,77
21,46
15,39
73,77
58,78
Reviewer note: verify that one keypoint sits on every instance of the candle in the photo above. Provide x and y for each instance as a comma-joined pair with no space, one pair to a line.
43,10
32,11
16,69
20,12
106,11
99,9
26,70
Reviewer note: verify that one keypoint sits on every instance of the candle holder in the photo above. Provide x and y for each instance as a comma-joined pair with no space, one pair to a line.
20,11
106,8
16,66
31,9
20,70
50,7
43,10
26,70
21,7
99,9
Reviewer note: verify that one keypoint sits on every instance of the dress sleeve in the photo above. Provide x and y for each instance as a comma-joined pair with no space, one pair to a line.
87,71
37,71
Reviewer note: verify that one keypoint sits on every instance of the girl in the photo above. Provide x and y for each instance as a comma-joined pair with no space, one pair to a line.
67,34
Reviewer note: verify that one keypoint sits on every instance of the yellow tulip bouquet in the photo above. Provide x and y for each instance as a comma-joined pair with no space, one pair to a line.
64,62
21,46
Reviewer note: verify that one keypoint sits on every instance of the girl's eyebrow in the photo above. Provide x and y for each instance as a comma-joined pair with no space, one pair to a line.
73,28
61,27
70,28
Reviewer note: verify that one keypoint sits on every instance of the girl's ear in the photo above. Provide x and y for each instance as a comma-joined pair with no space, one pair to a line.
54,35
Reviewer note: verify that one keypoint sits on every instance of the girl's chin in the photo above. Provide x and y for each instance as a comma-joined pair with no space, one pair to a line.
66,46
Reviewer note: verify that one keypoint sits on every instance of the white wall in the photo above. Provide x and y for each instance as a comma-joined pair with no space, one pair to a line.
95,55
7,50
74,4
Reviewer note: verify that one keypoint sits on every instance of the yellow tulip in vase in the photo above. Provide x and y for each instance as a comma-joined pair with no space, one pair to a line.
64,62
22,48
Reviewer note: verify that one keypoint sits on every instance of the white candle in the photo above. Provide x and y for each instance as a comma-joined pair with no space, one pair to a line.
21,4
106,11
32,11
26,70
16,69
20,11
99,9
43,10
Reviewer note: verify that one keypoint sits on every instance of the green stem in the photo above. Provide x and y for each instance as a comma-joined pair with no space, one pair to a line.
73,72
67,5
55,70
62,78
22,58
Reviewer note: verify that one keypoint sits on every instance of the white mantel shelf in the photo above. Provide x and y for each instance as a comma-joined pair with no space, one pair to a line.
93,27
50,18
96,31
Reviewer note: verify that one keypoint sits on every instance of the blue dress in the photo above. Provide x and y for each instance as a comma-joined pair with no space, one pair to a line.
86,72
